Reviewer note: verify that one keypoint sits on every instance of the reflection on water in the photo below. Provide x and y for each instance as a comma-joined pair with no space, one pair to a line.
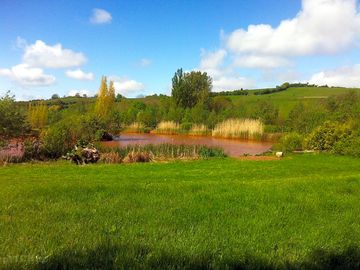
232,148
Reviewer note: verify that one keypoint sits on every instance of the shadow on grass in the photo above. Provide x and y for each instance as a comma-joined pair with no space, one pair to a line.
140,257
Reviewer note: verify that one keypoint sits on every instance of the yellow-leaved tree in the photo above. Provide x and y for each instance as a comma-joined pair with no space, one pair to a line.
38,115
105,99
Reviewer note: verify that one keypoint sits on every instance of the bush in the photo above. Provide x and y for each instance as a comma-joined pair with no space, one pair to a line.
326,136
291,142
348,146
59,139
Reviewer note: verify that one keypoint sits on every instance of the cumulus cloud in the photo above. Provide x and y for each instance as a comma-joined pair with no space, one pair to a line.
224,77
28,76
321,27
126,87
348,76
100,16
40,54
78,74
263,62
81,92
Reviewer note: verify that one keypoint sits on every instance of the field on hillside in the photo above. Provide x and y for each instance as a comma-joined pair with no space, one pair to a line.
300,212
286,100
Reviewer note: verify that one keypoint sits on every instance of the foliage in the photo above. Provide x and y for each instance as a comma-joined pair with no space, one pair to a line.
327,135
105,99
12,120
348,146
189,89
59,139
266,112
303,119
38,115
291,142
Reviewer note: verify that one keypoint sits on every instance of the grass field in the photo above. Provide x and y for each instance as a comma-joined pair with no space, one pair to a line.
302,212
287,99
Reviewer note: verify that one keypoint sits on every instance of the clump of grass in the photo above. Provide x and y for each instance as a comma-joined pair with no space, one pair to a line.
167,127
250,129
111,157
140,156
136,127
198,130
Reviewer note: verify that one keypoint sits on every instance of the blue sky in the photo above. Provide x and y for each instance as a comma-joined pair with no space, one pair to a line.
65,47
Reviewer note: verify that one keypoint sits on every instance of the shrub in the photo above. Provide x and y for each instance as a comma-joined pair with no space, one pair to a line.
33,150
291,142
348,146
326,136
58,140
239,128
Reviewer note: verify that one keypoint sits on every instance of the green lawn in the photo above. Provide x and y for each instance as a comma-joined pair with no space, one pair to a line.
302,212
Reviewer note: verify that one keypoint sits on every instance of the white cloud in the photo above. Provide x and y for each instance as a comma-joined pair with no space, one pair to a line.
226,83
263,61
81,92
144,62
78,74
212,60
321,27
127,86
40,54
224,78
100,16
345,76
28,76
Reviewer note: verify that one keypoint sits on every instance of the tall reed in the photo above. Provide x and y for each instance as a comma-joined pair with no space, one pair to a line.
166,151
167,127
249,129
135,127
198,129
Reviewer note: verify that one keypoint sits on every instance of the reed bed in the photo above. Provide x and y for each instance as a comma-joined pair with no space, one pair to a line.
167,127
135,127
199,130
160,152
249,129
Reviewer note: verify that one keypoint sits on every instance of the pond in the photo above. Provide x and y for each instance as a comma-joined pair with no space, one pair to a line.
232,147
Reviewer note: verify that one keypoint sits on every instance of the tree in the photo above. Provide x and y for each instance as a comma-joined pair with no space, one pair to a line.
55,96
267,112
105,99
189,89
12,121
38,115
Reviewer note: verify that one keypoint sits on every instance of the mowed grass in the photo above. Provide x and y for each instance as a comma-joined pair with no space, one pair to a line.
301,212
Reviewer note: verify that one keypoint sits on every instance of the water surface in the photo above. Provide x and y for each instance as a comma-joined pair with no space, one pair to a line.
231,147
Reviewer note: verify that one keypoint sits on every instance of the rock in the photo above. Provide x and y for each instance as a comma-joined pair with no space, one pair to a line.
106,136
279,154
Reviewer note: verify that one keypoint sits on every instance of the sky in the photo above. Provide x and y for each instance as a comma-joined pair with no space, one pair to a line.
65,47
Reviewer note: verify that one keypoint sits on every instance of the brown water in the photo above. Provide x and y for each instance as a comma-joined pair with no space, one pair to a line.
231,147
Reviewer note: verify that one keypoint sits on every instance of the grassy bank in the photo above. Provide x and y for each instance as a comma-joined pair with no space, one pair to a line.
300,212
